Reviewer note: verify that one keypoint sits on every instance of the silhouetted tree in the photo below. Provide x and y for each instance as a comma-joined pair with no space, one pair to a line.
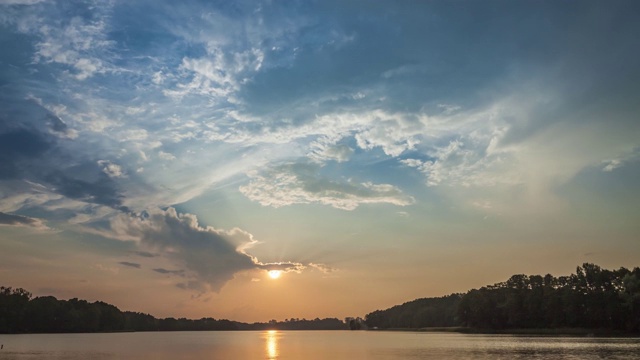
591,298
428,312
13,303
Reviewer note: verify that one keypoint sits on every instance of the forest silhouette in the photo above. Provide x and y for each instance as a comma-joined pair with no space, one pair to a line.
592,298
20,313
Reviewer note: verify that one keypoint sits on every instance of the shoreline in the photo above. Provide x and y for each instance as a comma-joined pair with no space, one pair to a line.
581,332
560,332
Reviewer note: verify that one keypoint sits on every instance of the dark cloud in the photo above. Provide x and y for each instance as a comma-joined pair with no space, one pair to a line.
130,264
145,254
170,272
32,148
57,125
192,285
214,256
24,128
19,220
20,149
102,191
22,142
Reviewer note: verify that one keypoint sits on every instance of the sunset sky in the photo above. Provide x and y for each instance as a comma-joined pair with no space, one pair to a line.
163,156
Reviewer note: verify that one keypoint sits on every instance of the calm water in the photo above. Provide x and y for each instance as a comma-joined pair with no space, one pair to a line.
333,345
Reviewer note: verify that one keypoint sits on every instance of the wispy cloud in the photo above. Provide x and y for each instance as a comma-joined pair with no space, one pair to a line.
169,272
77,43
301,184
323,268
20,2
621,161
145,254
19,220
130,264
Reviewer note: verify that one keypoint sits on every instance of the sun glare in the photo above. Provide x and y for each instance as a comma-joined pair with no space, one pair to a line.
272,342
274,274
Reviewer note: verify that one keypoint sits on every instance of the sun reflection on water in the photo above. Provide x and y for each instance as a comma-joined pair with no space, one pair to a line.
272,344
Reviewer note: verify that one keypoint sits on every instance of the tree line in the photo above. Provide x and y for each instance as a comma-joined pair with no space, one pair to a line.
592,298
298,324
420,313
21,313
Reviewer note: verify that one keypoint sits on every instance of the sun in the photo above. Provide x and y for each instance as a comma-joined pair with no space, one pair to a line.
274,274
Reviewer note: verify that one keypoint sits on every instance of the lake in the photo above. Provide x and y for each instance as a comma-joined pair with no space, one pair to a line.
333,345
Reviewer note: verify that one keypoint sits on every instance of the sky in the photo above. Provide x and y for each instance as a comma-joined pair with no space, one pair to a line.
163,156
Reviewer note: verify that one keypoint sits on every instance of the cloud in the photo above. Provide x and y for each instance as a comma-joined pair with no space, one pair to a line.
459,164
166,156
213,255
217,75
236,49
169,272
192,285
325,149
102,191
112,170
286,266
145,254
60,128
624,158
322,268
130,264
449,108
17,149
157,78
19,220
210,257
612,165
43,153
392,132
78,42
20,2
290,184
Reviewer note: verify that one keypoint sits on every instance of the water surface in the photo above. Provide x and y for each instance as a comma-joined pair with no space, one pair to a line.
311,345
